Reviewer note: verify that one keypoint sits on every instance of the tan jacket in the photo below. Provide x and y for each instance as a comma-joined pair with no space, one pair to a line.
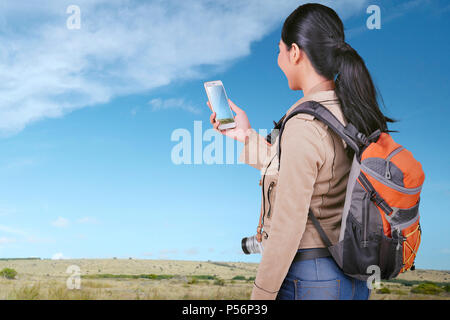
313,173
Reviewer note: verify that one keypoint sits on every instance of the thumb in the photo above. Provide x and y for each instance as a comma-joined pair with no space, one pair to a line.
234,107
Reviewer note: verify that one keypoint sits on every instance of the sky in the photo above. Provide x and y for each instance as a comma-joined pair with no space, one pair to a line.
91,119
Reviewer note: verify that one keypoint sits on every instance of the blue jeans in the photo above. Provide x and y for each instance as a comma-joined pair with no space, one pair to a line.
320,279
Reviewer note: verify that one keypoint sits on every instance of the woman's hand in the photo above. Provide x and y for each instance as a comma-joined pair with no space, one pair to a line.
242,128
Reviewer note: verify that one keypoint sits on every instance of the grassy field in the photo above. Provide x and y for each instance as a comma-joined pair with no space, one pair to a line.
175,279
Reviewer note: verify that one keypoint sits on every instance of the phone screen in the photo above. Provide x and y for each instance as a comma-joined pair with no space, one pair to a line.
219,103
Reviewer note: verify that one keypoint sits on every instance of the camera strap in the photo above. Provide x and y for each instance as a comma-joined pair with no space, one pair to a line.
259,228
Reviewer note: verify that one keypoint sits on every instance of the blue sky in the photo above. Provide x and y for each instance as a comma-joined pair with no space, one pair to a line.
86,118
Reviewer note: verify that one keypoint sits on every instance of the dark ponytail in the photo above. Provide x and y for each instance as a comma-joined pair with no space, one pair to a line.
319,32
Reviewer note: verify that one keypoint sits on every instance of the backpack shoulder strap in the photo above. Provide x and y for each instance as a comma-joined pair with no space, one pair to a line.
319,229
348,133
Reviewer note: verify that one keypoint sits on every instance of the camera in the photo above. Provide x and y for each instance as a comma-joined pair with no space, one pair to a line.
251,245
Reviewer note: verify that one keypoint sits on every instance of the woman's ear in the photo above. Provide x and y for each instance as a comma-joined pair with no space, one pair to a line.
295,54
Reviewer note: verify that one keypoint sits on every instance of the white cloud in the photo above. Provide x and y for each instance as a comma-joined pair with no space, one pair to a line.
88,220
38,239
172,103
134,111
19,163
191,251
5,211
165,253
58,256
22,235
14,231
60,222
123,47
5,240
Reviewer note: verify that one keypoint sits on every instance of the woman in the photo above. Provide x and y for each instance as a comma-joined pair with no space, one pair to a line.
315,162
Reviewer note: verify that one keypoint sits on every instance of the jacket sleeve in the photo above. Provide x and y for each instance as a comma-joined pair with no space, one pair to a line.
256,150
302,155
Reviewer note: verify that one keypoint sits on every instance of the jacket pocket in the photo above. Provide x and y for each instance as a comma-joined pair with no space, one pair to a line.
269,199
317,289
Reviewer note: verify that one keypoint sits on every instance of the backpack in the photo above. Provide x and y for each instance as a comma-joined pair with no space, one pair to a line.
380,224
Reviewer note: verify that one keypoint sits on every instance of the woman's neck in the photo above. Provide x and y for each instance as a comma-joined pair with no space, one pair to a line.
318,86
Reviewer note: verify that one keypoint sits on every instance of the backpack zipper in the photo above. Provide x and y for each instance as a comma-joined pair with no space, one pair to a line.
387,173
389,183
404,225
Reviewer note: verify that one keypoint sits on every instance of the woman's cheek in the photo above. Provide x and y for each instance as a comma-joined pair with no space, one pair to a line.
281,64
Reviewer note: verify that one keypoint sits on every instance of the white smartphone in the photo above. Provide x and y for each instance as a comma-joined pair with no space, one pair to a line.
219,103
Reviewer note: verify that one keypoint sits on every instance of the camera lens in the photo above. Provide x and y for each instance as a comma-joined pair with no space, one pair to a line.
244,246
251,245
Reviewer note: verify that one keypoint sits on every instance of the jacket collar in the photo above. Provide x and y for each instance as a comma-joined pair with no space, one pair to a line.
320,92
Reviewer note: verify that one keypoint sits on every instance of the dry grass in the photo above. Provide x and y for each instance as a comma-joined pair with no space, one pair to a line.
162,279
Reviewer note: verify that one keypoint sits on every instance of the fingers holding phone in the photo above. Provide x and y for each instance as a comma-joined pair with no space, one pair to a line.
212,119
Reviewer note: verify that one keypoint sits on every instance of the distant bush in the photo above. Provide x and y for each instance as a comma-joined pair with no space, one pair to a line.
222,264
399,292
129,276
243,278
410,283
219,282
155,276
204,277
427,288
384,290
447,288
194,280
8,273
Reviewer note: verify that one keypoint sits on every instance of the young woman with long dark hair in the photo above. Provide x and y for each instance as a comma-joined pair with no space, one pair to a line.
315,162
